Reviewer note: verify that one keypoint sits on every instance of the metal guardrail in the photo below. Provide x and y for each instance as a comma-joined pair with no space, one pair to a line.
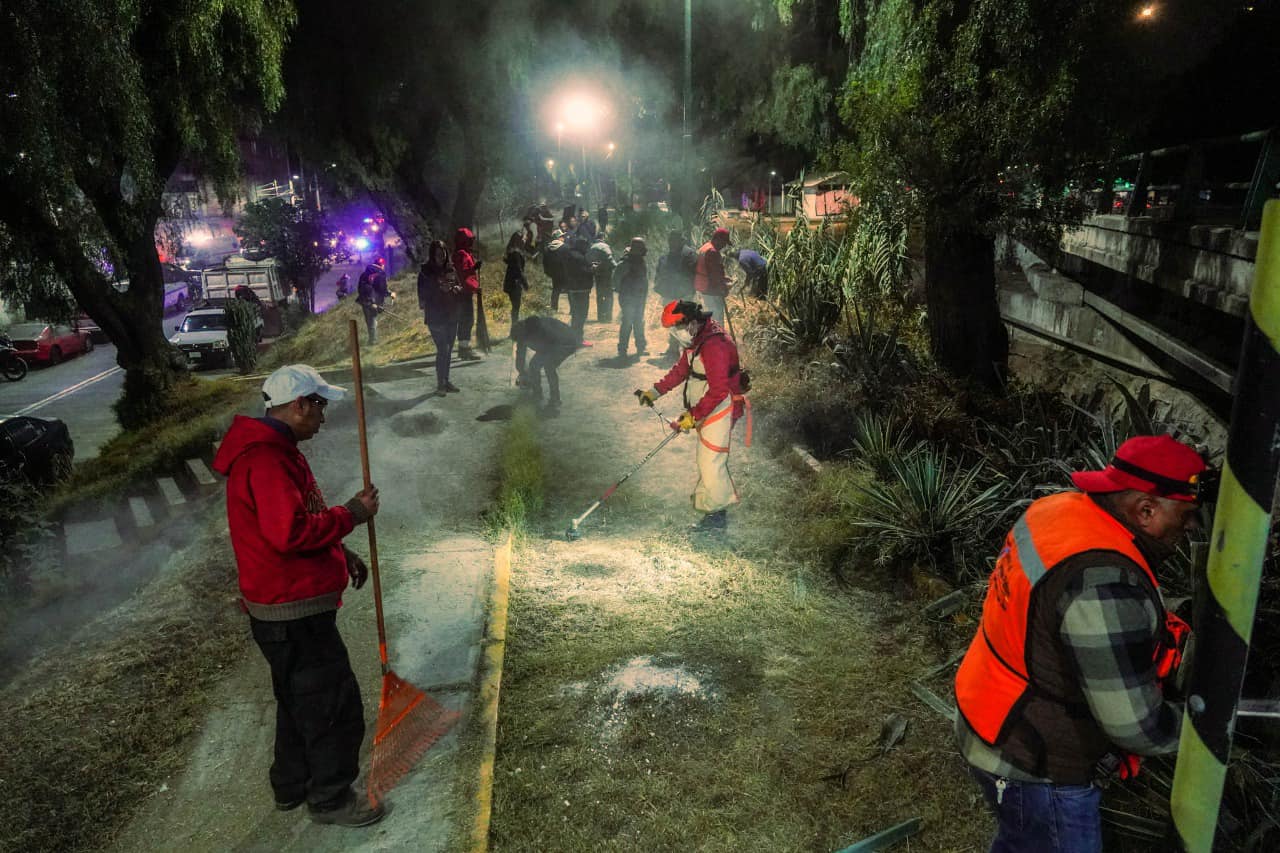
1179,182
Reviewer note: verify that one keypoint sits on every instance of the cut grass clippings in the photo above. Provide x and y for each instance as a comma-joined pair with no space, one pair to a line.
88,736
794,679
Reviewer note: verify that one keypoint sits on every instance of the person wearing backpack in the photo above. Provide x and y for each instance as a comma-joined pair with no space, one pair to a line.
673,280
440,296
713,391
602,267
371,293
467,267
553,266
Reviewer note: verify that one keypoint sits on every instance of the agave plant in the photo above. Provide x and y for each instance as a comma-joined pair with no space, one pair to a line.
927,510
878,440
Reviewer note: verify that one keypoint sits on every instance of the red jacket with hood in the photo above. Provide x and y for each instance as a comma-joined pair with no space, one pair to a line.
288,544
465,262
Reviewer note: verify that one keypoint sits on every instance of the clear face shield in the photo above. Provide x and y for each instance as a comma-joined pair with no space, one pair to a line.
682,334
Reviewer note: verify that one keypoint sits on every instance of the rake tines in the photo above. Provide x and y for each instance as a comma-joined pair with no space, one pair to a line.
409,722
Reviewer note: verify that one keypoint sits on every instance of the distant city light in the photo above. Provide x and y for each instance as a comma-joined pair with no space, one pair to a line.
374,228
367,220
361,243
297,177
551,164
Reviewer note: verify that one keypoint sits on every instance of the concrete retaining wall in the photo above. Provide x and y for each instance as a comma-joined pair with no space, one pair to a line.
1210,265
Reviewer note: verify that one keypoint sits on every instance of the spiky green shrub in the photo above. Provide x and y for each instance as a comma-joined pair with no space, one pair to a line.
928,511
877,440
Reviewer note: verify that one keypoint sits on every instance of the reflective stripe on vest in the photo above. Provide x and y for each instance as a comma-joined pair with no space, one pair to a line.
993,677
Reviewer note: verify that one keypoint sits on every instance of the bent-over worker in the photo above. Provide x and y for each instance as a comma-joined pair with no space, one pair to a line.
714,399
552,342
1065,681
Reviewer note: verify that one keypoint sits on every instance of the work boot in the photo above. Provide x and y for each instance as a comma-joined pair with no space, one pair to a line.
289,805
440,391
352,811
713,522
466,353
451,388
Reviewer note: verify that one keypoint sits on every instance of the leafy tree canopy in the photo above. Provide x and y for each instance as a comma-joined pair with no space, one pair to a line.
100,102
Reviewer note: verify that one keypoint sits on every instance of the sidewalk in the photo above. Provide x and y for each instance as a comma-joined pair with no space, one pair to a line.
432,462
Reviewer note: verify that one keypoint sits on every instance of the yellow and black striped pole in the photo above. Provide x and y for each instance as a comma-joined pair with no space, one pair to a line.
1224,614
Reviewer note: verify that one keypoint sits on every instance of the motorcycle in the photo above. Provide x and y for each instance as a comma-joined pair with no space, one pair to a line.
12,365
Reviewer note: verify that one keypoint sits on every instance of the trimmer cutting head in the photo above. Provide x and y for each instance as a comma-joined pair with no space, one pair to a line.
571,533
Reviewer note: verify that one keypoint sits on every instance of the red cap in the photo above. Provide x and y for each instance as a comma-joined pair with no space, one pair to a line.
723,233
1156,464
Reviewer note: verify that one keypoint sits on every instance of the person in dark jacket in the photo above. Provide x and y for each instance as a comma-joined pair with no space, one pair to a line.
371,293
602,267
467,266
631,281
514,283
293,569
553,266
552,342
578,278
440,296
673,281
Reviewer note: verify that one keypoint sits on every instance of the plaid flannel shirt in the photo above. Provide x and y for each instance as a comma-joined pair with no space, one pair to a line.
1109,630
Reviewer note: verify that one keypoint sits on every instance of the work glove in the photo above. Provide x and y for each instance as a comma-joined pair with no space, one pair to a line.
684,423
1124,766
356,568
647,398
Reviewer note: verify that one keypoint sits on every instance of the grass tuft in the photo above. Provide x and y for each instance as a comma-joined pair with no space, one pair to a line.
521,490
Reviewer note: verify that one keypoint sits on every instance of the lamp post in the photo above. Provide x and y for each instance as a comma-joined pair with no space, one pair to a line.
769,201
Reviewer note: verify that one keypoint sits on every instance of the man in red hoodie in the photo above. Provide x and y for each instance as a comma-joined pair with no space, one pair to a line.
710,378
709,279
293,569
468,269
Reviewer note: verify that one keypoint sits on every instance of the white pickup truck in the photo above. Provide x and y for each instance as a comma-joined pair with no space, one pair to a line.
202,337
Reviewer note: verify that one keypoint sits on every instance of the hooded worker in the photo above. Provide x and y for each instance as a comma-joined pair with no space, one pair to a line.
1069,676
709,278
467,266
713,392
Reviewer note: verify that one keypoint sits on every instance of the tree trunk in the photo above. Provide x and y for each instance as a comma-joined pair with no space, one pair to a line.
966,334
151,363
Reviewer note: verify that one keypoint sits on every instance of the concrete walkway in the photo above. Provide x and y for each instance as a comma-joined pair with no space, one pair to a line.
433,463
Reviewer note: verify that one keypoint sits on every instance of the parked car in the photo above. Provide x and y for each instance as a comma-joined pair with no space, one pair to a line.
202,337
84,323
36,449
48,343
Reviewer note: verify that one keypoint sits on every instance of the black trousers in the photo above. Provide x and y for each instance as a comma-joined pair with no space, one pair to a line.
579,303
319,714
515,297
546,360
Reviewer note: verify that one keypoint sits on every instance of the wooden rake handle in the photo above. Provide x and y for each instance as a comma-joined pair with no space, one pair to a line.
358,379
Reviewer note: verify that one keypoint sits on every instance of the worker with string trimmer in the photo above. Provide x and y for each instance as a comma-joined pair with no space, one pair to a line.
293,569
713,388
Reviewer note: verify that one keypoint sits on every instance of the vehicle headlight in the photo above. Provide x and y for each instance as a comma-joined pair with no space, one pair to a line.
220,344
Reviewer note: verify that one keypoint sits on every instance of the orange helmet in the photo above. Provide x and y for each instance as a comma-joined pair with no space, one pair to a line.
681,311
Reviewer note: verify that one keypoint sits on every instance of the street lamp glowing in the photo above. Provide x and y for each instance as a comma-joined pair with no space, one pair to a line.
582,111
551,164
1147,12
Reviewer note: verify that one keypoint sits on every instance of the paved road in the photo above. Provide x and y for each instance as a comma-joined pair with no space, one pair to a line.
79,391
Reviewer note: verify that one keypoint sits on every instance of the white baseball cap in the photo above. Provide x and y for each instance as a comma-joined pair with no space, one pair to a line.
292,381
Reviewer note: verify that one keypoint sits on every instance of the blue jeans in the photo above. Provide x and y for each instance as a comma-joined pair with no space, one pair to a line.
1040,818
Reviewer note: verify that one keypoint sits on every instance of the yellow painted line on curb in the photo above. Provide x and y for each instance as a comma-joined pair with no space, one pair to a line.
490,684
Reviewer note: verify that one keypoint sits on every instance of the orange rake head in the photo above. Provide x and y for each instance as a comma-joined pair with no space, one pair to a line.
409,722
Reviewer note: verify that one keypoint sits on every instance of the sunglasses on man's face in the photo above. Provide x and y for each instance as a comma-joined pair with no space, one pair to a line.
317,401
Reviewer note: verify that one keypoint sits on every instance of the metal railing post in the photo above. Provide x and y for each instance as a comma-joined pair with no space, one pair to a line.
1266,174
1137,205
1225,613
